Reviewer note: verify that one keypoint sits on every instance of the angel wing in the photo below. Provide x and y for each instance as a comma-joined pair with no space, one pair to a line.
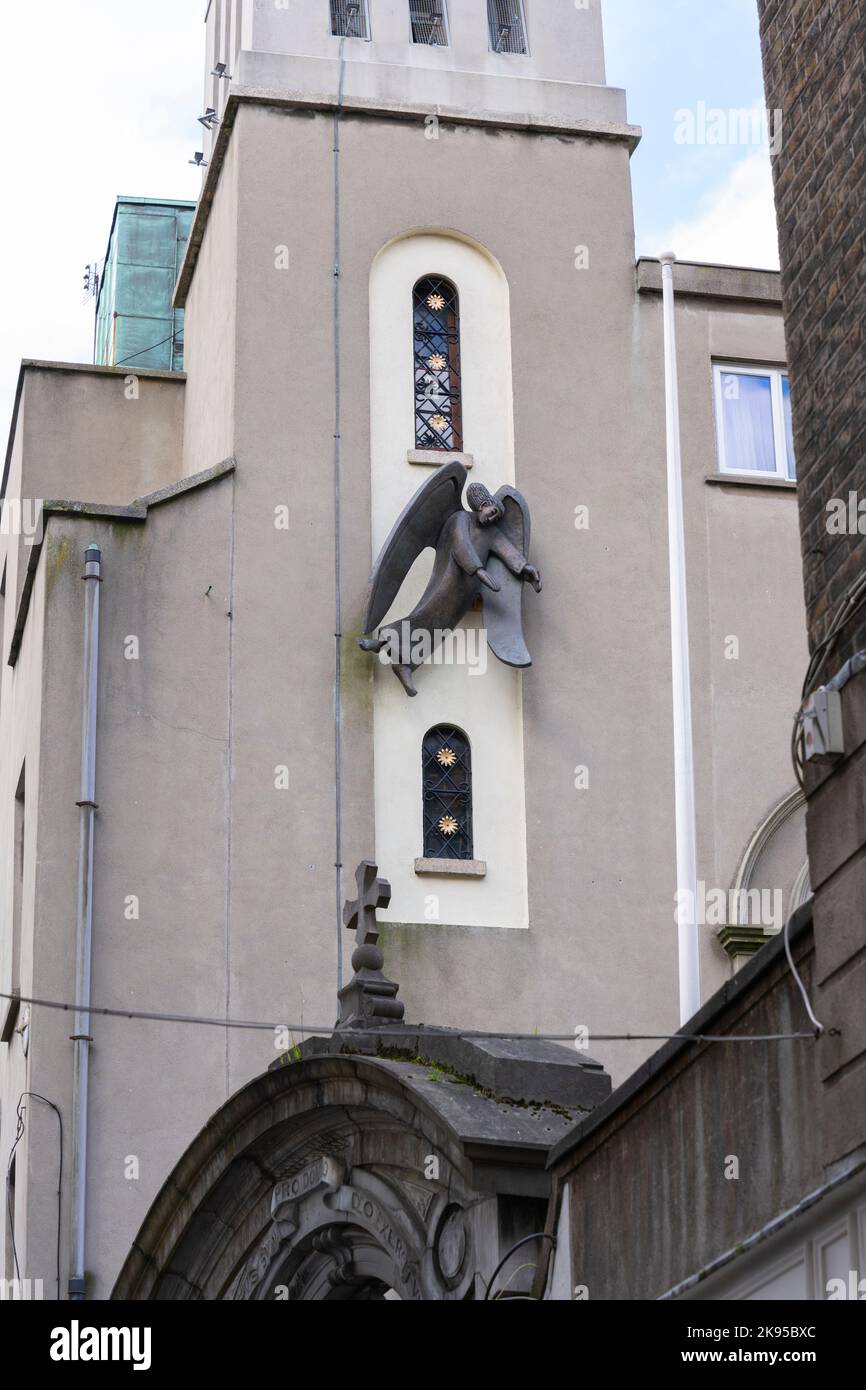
503,612
417,527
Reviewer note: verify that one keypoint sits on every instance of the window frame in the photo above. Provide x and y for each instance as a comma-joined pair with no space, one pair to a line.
446,21
786,469
498,51
454,367
359,38
448,733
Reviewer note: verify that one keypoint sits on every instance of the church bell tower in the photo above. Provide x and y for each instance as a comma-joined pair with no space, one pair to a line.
414,248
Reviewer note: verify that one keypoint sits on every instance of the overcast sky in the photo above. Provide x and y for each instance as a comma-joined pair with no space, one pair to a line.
99,97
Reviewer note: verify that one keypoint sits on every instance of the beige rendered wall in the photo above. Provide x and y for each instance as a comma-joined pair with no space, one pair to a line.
20,749
210,331
234,874
90,434
589,431
161,837
593,952
99,434
744,583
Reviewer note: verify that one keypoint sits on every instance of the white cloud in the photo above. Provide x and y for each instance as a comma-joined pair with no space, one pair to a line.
96,100
736,224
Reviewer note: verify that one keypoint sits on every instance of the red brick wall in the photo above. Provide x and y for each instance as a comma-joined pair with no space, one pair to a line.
815,72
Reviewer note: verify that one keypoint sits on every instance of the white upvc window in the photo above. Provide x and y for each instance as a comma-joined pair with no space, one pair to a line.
753,421
429,20
506,21
350,19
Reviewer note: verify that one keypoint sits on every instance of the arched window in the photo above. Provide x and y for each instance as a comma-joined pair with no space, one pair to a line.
436,317
446,771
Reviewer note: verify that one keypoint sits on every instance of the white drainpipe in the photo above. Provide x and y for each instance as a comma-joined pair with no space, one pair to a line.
81,1039
684,770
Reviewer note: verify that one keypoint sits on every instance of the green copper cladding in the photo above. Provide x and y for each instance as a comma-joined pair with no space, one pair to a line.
136,325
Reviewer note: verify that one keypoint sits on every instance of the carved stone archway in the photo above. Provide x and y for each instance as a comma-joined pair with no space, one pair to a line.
357,1177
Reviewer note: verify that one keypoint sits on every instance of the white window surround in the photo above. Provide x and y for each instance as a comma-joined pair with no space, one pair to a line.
490,705
783,471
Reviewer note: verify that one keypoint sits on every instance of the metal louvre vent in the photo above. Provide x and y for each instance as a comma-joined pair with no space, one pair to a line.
349,19
446,771
507,26
436,314
429,22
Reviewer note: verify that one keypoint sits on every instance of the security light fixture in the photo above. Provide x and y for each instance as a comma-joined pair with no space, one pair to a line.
220,71
199,160
209,120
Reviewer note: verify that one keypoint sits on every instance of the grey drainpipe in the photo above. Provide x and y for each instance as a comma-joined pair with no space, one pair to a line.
81,1038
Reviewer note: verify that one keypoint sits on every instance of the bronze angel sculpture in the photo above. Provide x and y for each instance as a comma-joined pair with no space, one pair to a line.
482,551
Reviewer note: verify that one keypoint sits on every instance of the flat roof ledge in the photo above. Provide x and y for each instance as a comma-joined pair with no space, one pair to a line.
709,281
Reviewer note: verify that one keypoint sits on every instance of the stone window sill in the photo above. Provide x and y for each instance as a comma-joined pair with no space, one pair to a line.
453,868
434,458
752,480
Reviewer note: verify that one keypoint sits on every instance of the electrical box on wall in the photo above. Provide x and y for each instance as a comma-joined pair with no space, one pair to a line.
822,726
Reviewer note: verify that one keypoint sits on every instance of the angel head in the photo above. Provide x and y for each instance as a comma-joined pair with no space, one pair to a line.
484,504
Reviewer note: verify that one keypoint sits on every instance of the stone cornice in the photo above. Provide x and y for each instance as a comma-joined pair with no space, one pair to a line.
327,104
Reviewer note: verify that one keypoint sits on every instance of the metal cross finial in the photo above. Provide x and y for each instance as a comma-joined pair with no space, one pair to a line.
360,915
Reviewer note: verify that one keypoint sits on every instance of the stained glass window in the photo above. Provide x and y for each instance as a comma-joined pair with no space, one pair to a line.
446,771
436,311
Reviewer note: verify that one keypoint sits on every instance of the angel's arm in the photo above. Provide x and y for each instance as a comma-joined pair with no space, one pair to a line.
465,555
509,554
517,562
462,550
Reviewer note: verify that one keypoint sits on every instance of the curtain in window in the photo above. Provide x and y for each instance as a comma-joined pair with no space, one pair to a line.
446,773
436,314
747,415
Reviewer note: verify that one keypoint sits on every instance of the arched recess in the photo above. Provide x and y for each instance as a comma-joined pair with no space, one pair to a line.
344,1177
478,694
766,835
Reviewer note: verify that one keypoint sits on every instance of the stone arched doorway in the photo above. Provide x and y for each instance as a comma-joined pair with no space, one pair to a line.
357,1177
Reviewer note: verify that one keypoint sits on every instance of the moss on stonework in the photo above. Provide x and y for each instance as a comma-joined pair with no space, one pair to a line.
60,550
442,1071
